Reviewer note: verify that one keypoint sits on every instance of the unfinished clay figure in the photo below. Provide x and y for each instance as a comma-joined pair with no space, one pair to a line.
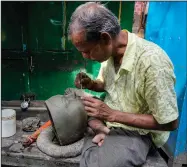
69,123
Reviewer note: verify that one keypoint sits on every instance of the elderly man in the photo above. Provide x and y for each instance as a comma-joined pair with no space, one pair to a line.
140,106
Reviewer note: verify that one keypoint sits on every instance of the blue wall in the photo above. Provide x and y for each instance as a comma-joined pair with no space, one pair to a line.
166,26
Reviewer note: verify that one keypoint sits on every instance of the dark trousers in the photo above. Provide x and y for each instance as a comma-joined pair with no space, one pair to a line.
121,148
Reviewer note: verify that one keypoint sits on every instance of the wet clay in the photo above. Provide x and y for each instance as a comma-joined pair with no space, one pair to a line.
30,124
69,123
17,148
68,116
46,145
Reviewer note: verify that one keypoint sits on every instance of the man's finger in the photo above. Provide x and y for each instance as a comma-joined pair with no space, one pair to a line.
90,99
98,138
85,81
77,84
90,110
82,75
100,143
89,104
90,114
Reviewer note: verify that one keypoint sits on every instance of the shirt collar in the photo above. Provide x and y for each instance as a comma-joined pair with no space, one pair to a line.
129,55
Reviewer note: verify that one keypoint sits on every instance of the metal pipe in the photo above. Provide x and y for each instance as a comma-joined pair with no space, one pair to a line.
27,82
64,24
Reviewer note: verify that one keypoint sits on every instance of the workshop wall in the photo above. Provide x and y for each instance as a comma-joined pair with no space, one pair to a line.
14,64
36,55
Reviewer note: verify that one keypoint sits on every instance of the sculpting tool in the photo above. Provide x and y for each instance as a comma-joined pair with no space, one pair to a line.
81,77
81,70
32,138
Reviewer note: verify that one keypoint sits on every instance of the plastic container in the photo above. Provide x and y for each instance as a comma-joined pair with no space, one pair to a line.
8,122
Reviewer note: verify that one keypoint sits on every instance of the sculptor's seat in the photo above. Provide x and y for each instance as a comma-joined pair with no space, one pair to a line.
154,159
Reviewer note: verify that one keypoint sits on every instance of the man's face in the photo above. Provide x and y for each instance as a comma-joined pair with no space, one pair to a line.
97,51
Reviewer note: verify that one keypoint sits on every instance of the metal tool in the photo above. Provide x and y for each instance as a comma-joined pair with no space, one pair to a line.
32,138
81,70
81,77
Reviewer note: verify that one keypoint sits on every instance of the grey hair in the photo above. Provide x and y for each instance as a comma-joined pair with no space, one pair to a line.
94,18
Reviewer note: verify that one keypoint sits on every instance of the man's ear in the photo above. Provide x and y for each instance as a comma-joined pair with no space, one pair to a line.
106,39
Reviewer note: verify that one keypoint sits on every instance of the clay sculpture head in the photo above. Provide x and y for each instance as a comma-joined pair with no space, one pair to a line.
68,117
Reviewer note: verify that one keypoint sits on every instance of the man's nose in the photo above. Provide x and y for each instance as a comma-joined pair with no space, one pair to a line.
85,55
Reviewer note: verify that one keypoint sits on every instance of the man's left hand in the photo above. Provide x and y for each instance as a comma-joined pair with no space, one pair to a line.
98,109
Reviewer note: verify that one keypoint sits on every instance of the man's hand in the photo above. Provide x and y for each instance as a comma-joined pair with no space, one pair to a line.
84,80
98,126
88,83
98,109
100,129
99,139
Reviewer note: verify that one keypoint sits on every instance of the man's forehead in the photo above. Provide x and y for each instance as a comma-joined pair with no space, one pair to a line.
78,38
80,42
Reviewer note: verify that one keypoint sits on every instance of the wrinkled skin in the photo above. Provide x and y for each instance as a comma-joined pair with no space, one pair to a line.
83,80
98,109
98,51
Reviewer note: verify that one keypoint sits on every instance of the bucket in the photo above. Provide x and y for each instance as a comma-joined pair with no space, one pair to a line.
8,122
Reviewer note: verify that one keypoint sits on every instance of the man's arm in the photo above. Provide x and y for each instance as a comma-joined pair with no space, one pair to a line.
143,121
84,81
100,110
98,126
97,86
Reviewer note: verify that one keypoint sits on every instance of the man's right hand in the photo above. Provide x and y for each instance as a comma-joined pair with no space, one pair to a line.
84,80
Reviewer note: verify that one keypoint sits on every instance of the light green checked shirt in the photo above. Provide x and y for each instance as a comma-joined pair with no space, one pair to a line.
144,84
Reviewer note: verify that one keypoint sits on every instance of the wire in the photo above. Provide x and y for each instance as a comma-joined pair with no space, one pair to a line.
119,16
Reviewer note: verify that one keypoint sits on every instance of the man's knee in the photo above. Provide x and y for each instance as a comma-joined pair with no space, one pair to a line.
89,158
101,157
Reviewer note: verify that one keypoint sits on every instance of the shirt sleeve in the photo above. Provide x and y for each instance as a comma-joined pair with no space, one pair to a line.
160,94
